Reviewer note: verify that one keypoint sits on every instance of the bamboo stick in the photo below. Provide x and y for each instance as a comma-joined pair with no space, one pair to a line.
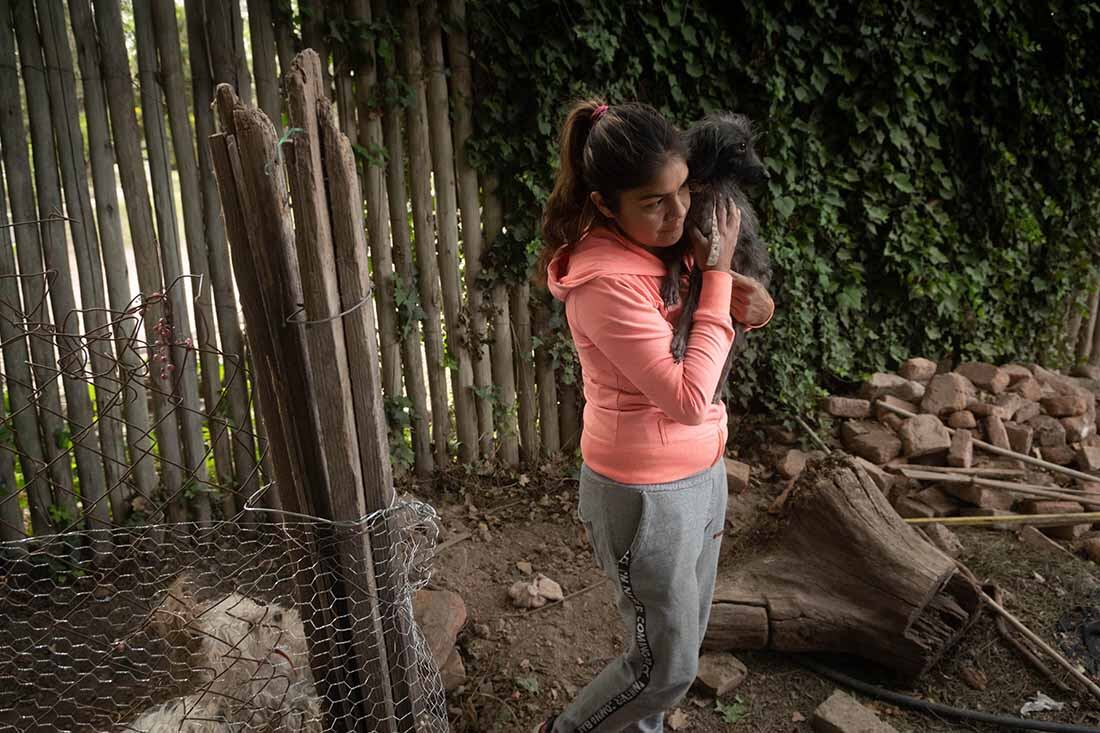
225,44
225,298
530,442
141,474
549,431
1038,520
416,125
378,222
171,76
462,100
1086,337
504,373
21,414
341,66
65,113
184,380
1074,320
1005,451
43,396
987,472
443,178
262,31
287,44
313,13
1026,489
84,433
407,319
131,168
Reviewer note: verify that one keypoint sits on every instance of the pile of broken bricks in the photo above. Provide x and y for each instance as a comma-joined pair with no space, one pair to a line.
981,440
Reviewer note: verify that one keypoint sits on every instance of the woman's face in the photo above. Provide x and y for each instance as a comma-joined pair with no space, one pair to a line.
653,215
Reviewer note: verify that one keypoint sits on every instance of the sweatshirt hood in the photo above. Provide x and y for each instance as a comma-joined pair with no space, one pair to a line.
600,252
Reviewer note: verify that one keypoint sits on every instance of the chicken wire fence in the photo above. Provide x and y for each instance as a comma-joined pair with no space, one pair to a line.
139,590
188,627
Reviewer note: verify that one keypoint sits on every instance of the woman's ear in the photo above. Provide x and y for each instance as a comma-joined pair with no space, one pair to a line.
600,204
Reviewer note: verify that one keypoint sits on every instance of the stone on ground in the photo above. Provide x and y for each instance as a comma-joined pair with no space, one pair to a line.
961,452
737,476
985,376
792,464
918,369
962,419
947,393
720,673
849,407
440,615
944,539
842,714
924,435
870,440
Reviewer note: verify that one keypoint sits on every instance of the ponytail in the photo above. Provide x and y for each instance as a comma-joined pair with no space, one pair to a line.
569,210
604,149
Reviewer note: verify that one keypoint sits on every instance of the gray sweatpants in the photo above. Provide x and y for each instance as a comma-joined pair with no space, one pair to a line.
659,544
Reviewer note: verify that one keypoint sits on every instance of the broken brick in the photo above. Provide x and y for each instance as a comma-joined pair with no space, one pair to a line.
984,376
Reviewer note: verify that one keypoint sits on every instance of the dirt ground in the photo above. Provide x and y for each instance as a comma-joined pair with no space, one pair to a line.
522,665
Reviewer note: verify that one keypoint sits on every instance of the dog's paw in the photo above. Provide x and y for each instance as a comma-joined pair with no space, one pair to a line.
679,347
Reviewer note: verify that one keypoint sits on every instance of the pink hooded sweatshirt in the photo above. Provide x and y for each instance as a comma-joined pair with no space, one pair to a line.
647,419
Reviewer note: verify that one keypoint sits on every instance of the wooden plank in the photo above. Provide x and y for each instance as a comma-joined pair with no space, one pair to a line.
332,395
284,417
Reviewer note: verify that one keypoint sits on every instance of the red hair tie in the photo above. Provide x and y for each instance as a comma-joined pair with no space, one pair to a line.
598,113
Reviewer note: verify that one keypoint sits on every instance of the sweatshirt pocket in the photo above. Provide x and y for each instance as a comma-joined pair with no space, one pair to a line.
676,432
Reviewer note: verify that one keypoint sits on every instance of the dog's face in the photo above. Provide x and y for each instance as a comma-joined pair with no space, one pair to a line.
721,146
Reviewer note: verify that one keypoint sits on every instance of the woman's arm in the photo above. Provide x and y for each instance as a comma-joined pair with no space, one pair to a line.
616,314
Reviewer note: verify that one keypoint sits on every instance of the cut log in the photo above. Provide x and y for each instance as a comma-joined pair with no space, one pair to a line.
840,571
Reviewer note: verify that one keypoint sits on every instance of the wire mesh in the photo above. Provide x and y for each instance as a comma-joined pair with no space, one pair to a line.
186,627
134,377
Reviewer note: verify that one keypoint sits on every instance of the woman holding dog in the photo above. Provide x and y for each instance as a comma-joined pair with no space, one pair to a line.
653,480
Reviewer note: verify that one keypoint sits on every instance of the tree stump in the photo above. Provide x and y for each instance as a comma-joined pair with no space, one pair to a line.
840,571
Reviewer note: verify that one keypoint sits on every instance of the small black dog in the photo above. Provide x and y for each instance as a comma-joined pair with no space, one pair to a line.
721,161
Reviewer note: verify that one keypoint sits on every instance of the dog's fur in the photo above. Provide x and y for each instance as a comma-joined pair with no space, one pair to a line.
250,660
722,162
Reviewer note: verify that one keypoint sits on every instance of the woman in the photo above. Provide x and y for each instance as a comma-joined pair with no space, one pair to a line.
653,482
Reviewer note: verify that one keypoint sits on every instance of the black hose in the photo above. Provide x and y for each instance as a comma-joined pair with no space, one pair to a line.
945,710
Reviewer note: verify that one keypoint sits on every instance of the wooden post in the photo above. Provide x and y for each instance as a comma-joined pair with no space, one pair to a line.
443,178
504,374
225,299
530,443
171,76
78,409
407,324
549,428
22,415
183,378
225,43
378,223
462,101
142,471
65,113
332,395
261,258
131,168
416,125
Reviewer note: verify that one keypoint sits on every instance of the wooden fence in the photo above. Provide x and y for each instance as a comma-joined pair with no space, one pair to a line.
125,371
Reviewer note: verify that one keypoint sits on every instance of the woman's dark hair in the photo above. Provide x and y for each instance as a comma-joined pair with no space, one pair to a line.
608,149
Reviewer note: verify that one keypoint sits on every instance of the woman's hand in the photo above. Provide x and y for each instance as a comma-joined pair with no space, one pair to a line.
725,226
750,302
